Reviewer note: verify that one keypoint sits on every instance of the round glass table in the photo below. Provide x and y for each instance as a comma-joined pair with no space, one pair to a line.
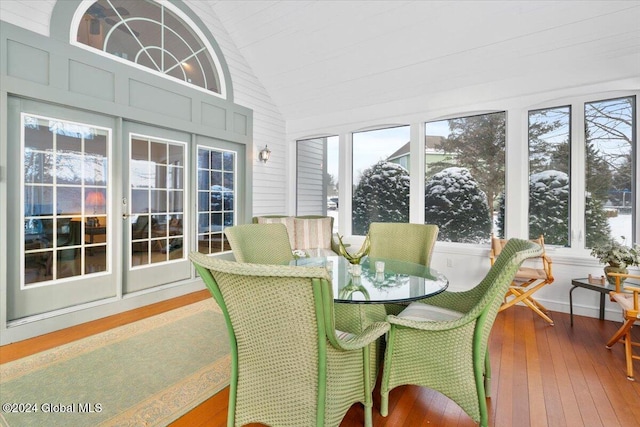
378,280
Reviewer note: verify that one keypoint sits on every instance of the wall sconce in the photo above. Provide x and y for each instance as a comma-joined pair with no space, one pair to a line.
264,154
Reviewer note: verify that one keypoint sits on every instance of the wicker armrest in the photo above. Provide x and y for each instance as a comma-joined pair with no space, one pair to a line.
364,338
424,325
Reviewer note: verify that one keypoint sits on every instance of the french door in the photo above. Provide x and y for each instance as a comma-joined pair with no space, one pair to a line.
61,223
154,207
105,208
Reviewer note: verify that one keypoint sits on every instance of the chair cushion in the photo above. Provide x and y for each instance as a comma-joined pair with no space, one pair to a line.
625,301
287,221
423,312
312,233
528,273
344,335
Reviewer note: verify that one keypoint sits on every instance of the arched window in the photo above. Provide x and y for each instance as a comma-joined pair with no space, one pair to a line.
152,34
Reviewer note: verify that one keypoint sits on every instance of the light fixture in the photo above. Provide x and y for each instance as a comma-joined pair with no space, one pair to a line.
264,154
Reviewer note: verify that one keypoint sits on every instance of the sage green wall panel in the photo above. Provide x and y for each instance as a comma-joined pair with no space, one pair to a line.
27,62
240,124
151,98
91,81
214,116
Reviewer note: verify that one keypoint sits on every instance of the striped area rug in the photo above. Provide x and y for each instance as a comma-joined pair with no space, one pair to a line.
147,373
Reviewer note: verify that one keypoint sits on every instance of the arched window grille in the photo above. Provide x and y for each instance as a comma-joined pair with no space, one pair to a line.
152,34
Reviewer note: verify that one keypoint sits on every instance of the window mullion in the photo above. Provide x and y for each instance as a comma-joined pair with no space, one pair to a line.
578,176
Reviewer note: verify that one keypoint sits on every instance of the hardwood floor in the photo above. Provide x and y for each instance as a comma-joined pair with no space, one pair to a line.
542,376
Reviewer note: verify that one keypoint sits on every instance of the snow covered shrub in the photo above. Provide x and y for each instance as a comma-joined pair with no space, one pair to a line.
455,203
382,195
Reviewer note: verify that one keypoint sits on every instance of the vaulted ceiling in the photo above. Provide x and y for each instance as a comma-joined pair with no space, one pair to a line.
319,56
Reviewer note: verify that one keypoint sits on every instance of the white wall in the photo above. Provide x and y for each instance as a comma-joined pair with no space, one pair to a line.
269,180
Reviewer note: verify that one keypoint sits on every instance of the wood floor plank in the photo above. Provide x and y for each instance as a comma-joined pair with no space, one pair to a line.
535,388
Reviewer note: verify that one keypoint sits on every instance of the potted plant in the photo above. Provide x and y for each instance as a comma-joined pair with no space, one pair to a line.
618,256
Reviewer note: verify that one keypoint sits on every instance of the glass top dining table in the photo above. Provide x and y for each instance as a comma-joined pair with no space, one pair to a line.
378,280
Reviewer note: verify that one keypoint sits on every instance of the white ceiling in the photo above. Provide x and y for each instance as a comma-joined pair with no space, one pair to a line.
319,56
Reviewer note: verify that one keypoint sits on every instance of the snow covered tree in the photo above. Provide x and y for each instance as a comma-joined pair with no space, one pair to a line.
549,210
455,203
382,195
549,207
477,143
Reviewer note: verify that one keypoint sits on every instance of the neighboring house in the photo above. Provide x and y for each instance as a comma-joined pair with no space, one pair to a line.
432,152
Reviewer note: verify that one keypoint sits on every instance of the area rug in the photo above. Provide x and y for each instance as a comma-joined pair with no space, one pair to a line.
147,373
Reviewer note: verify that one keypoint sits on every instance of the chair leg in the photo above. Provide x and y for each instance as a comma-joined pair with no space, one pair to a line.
525,297
384,403
487,374
533,306
368,398
629,355
620,333
479,367
384,383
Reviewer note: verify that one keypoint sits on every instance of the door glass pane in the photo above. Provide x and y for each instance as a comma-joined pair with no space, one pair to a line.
65,220
216,198
380,178
609,170
157,215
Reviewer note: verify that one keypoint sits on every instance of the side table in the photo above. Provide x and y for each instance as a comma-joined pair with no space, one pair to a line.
584,283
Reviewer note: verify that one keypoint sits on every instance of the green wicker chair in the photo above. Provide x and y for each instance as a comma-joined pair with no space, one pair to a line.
290,367
260,243
450,354
404,242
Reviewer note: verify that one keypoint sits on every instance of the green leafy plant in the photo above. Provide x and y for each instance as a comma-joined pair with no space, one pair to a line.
617,254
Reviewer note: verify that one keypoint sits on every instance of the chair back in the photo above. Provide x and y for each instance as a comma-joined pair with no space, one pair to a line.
260,243
403,241
526,273
275,364
489,293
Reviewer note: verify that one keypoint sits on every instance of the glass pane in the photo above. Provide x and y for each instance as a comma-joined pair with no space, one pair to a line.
159,153
381,183
95,200
151,35
158,201
38,200
159,176
317,172
216,160
465,176
69,169
152,233
69,201
175,201
214,197
609,170
38,167
549,151
68,144
37,135
139,149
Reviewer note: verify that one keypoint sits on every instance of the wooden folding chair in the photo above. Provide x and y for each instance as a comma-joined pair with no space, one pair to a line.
627,298
529,279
